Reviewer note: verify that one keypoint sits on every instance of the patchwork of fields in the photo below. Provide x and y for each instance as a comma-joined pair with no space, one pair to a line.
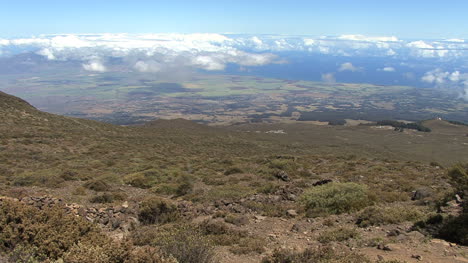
129,98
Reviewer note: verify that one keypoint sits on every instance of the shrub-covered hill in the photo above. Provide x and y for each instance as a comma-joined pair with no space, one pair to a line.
48,144
182,191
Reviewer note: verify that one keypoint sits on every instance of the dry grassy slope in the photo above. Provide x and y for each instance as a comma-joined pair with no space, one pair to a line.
31,140
47,144
37,149
446,144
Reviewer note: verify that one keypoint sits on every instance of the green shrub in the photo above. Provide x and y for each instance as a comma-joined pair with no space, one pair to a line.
221,233
184,188
138,180
108,197
103,198
157,211
29,179
32,235
233,170
69,175
459,178
455,229
97,185
165,189
335,198
185,243
249,245
378,215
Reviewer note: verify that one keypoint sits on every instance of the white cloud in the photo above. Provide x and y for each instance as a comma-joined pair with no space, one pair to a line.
369,39
455,40
446,79
46,53
208,63
348,66
436,76
419,44
148,66
454,76
95,66
215,51
328,78
389,69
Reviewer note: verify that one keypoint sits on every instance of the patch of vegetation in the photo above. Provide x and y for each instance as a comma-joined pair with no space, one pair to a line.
458,123
185,242
384,215
455,228
98,185
459,177
335,198
339,122
154,210
34,235
320,255
401,125
107,197
233,170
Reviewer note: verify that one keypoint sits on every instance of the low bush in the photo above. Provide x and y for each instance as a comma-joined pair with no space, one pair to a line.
32,235
97,185
249,245
233,170
335,198
184,188
157,211
186,243
455,229
379,215
138,180
108,197
459,177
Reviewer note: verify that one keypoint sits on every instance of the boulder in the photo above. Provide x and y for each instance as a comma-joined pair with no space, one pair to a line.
291,213
283,176
421,193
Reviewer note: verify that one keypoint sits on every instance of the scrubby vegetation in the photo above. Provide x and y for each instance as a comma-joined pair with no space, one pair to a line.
176,190
157,211
382,215
32,235
402,125
321,255
455,228
335,198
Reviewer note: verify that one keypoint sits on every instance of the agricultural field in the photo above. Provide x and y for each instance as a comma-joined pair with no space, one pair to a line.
132,98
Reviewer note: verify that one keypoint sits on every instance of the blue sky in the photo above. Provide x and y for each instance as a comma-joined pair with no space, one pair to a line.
427,19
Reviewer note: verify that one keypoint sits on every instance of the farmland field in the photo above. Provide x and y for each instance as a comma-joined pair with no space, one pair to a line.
130,97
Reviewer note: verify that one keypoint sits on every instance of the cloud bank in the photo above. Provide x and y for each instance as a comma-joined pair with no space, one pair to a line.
446,79
213,52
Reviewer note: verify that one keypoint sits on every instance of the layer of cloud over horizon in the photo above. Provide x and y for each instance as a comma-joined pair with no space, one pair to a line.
212,52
